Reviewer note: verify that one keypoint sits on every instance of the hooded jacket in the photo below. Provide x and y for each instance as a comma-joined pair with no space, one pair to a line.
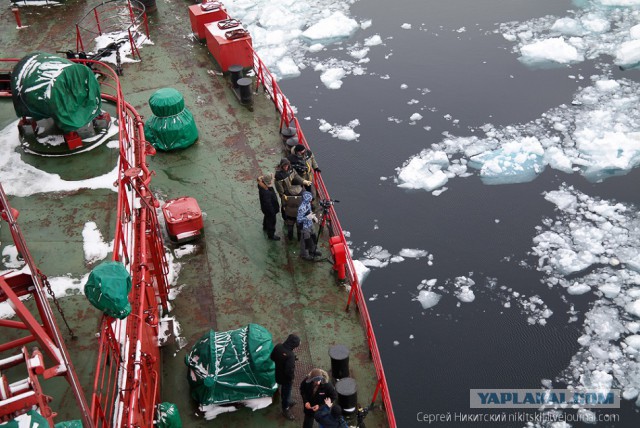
315,396
285,359
304,210
288,183
304,165
268,199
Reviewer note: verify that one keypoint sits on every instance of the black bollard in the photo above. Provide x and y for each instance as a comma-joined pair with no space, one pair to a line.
288,132
347,395
339,361
236,74
245,90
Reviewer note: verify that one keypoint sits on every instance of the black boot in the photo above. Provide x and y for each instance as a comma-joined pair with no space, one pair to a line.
288,415
290,232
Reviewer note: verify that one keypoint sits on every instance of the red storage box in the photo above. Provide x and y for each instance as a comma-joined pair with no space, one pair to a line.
183,218
198,17
229,45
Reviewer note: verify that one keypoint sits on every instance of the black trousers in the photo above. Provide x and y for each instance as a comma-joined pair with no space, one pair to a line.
269,224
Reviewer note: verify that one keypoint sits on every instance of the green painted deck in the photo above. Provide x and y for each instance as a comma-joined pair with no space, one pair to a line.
236,276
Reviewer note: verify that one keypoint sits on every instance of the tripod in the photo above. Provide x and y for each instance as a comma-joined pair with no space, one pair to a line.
326,218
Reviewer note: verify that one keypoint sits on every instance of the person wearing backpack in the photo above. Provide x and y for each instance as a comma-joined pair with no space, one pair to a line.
330,415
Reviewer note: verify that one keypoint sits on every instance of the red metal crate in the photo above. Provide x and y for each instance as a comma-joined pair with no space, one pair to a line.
227,49
183,218
199,17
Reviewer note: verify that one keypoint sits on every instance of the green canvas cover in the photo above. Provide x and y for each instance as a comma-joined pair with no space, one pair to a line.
168,416
230,366
69,424
171,127
31,419
108,289
47,86
166,102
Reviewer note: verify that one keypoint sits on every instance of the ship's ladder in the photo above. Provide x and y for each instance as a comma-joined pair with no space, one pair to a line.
19,397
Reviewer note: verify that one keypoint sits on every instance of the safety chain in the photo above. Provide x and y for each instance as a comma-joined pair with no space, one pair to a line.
47,285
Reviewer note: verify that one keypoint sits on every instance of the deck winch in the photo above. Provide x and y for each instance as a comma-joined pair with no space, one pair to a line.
53,95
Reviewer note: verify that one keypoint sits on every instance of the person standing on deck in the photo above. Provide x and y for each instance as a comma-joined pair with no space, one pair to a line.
314,389
306,218
304,163
285,360
269,205
289,183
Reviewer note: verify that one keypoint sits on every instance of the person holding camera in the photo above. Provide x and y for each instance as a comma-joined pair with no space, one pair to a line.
304,163
314,389
289,186
306,218
285,360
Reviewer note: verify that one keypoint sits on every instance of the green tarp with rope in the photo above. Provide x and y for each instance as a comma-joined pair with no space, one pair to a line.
47,86
168,416
231,366
108,289
31,419
171,126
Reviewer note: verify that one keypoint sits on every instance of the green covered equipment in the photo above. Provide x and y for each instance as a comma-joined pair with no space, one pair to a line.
31,419
171,126
168,416
47,86
108,289
231,366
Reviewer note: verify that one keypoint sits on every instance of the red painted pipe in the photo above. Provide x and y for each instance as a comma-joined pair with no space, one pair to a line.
16,12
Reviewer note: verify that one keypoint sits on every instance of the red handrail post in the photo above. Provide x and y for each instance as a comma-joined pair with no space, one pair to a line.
16,12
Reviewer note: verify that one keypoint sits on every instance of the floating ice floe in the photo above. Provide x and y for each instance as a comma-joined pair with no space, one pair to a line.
599,27
428,299
340,132
282,31
597,136
335,26
597,242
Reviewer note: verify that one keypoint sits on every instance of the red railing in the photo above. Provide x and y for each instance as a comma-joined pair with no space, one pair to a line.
113,17
126,383
265,79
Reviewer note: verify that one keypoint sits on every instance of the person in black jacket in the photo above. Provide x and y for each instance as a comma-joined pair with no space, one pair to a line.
314,389
285,360
329,415
269,205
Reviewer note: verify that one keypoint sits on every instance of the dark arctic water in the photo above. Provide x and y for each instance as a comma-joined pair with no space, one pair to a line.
474,77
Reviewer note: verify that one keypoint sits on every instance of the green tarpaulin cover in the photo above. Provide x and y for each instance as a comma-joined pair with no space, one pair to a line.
31,419
168,416
171,126
229,366
108,289
47,86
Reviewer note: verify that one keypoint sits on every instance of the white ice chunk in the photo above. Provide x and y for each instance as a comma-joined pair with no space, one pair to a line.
550,50
335,26
428,299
